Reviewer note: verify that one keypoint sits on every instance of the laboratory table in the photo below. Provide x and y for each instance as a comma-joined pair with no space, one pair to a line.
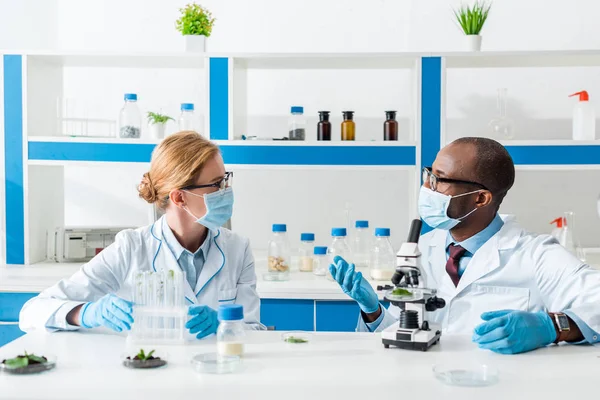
332,365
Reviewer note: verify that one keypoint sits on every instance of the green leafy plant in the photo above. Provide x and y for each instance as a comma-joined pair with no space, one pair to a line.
141,356
401,292
24,360
195,20
156,118
472,18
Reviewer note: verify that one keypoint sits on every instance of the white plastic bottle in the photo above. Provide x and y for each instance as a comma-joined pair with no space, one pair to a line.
297,124
187,120
383,256
231,333
130,119
362,244
584,118
339,247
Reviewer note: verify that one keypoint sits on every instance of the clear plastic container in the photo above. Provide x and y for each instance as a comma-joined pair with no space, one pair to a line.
212,363
187,119
461,373
305,253
383,257
297,124
231,333
159,309
130,118
278,255
339,247
361,244
320,261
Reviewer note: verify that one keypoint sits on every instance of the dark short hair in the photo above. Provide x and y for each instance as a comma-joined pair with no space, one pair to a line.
494,166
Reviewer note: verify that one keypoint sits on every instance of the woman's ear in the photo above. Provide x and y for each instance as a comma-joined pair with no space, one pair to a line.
176,197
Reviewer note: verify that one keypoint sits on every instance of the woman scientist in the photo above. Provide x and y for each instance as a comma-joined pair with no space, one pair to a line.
187,179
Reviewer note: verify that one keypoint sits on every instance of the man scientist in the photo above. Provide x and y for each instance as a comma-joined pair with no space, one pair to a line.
514,291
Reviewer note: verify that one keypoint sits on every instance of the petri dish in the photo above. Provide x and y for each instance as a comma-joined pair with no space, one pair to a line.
213,363
297,338
415,295
31,368
472,375
159,359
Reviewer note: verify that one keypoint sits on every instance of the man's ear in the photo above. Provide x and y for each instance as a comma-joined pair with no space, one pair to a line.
485,198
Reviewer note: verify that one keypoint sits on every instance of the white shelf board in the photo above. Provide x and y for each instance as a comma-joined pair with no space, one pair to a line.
516,59
115,60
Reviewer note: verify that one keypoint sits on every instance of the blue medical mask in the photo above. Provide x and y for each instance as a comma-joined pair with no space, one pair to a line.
433,209
219,208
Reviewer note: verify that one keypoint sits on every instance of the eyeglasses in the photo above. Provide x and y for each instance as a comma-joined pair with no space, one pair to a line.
223,183
432,179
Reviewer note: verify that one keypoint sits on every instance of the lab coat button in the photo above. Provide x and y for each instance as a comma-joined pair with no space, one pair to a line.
595,337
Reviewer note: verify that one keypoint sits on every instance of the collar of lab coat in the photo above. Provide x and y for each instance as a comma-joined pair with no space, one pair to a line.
214,260
485,260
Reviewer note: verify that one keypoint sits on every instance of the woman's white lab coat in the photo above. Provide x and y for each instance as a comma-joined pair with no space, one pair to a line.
513,270
228,276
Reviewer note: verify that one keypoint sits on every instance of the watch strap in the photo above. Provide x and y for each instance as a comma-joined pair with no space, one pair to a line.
561,333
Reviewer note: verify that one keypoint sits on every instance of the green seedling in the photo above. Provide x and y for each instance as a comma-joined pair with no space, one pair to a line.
24,360
471,18
142,356
156,118
293,339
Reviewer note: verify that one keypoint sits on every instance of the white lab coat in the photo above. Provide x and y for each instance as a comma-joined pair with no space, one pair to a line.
513,270
228,276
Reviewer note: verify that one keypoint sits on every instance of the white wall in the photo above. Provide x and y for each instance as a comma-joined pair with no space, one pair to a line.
537,97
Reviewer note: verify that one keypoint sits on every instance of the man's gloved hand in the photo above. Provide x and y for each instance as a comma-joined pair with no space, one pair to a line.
110,311
513,331
354,285
203,322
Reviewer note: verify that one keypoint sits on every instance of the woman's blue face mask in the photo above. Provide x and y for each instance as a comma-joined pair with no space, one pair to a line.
433,208
219,208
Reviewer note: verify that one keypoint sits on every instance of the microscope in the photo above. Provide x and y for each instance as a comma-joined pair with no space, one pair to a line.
412,331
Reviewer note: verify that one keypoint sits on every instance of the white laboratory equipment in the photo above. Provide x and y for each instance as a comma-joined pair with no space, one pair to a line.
361,244
320,261
187,119
383,258
297,124
231,333
571,240
130,119
502,126
339,247
305,252
559,232
159,309
584,118
278,255
78,244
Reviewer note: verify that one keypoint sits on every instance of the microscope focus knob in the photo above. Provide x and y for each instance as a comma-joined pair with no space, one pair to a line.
440,303
434,303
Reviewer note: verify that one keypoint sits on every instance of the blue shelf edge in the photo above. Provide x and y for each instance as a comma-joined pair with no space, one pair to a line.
555,155
234,154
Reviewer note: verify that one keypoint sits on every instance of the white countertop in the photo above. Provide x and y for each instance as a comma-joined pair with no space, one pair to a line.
333,365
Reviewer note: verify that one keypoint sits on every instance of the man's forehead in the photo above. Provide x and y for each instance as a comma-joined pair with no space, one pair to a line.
456,161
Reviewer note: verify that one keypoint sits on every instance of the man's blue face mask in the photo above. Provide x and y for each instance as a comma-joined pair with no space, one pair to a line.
433,209
219,208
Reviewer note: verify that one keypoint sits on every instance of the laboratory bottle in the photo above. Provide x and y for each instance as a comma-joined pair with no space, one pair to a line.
130,119
320,261
339,247
187,120
361,244
278,254
559,232
383,257
305,253
231,333
584,119
502,126
390,126
348,126
324,126
297,124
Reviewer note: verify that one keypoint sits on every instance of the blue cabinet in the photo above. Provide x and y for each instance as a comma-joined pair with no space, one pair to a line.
8,333
10,307
338,316
288,315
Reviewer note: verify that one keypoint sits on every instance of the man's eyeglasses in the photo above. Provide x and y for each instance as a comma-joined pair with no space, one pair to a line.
223,183
433,180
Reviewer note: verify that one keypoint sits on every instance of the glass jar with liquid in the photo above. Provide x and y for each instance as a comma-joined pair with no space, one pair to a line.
324,126
348,126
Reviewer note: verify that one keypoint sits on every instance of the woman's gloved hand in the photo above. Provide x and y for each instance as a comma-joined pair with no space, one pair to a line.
354,285
513,331
110,311
203,322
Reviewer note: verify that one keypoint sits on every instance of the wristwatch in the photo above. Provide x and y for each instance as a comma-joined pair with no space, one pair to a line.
563,328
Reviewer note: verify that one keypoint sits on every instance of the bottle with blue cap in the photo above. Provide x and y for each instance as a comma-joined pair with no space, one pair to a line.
305,252
320,261
278,254
297,124
361,244
339,246
130,118
383,256
231,333
187,119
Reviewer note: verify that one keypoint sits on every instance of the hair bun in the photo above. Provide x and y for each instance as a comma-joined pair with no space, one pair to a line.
146,189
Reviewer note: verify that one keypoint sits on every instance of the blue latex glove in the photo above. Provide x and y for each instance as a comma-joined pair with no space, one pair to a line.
512,331
203,322
110,311
354,285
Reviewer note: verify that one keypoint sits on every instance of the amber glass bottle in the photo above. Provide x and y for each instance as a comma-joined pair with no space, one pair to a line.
348,126
390,126
324,126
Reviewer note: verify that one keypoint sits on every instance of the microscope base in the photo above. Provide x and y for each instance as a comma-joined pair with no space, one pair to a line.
423,342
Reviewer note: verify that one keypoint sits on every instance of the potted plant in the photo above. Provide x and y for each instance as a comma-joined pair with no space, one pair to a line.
195,24
471,20
157,123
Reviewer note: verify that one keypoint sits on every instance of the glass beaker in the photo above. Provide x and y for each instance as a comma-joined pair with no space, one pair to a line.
502,126
572,240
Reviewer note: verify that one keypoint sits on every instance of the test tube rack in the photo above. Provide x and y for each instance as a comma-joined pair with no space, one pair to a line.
159,310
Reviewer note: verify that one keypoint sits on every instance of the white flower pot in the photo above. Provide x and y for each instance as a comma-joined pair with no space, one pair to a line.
473,42
195,43
157,131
